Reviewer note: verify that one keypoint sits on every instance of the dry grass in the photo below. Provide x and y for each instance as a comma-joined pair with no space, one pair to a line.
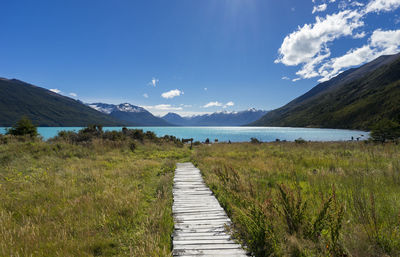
102,199
308,199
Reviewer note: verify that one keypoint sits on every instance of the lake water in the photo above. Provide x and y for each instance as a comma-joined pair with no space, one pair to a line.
234,134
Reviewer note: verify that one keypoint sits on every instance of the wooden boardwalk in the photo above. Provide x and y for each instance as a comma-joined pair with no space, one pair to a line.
199,219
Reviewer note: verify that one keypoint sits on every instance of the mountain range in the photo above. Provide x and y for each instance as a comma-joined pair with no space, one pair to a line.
129,114
355,99
216,119
44,107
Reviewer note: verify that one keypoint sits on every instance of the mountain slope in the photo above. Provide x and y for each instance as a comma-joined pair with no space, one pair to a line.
44,107
216,119
355,99
176,119
132,115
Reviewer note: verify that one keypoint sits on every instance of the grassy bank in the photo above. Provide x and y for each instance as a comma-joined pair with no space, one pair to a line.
94,198
308,199
96,193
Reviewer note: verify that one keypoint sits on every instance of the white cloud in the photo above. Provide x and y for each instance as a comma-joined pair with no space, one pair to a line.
308,69
162,107
186,105
310,45
382,5
319,8
205,89
55,90
154,82
172,93
359,35
145,95
73,94
380,43
191,113
218,104
213,104
310,41
356,4
285,78
229,104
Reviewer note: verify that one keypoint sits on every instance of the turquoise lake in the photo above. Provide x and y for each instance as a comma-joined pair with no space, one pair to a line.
234,134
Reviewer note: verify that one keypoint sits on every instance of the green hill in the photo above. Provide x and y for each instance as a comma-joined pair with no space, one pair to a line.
44,107
355,99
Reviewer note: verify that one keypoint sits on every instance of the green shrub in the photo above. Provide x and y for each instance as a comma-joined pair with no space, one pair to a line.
196,143
22,128
385,130
300,141
254,140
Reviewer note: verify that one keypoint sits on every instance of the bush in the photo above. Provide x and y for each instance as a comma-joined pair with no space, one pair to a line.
3,139
132,146
300,141
254,140
385,130
22,128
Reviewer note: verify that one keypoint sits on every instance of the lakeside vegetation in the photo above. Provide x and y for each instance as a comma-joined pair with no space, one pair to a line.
87,194
308,199
109,193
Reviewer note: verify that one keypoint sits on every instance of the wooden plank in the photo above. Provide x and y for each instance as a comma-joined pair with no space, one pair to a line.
189,237
204,241
200,222
210,252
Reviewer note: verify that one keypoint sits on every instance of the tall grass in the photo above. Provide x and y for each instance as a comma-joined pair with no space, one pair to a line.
309,199
99,198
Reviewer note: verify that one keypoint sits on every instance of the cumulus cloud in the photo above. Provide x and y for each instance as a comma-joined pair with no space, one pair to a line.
172,93
311,40
213,104
186,105
356,4
154,82
319,8
145,95
218,104
382,5
162,107
55,90
359,35
380,43
310,45
73,94
229,104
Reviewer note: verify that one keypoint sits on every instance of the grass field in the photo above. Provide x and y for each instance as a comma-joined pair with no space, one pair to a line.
99,199
103,197
308,199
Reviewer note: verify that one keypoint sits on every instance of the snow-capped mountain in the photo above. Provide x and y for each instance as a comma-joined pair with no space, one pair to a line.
223,118
132,114
109,108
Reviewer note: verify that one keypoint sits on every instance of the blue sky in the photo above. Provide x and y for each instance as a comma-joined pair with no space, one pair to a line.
190,56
